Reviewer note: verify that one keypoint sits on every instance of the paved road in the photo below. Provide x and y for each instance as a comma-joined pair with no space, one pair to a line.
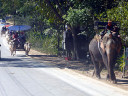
23,76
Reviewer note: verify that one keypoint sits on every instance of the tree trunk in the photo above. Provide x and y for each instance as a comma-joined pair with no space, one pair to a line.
75,51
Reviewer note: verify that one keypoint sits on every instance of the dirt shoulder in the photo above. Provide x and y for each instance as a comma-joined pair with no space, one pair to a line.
80,67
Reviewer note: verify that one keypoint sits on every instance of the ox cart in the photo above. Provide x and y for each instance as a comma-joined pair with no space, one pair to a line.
17,39
19,44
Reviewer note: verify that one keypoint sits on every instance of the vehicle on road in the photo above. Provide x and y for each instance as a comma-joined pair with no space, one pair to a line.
18,43
17,39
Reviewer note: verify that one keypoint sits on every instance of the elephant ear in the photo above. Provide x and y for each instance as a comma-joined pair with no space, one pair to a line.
119,45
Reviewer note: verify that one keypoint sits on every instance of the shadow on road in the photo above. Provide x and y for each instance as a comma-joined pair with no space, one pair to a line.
120,81
42,55
21,61
44,61
62,63
10,59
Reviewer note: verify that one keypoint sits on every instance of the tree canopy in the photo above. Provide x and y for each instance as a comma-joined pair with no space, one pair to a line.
44,15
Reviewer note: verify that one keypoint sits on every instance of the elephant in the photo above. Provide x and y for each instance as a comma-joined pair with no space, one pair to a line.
104,53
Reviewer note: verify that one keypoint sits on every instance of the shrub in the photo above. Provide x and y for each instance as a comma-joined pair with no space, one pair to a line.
121,61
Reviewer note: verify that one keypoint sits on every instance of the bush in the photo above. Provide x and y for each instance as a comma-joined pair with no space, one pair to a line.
45,43
121,61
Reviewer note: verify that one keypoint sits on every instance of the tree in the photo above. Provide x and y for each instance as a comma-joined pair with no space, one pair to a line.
119,14
42,14
77,18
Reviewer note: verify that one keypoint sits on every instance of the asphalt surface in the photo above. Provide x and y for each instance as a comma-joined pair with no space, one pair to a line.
23,76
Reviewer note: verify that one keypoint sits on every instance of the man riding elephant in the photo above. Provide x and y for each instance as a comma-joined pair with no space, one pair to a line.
110,28
104,52
113,31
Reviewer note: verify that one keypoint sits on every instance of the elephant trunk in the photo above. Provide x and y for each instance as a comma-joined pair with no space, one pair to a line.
111,57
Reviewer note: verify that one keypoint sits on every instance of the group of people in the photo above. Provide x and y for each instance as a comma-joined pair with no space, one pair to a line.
18,37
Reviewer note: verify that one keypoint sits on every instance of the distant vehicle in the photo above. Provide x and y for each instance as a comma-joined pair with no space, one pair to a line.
2,21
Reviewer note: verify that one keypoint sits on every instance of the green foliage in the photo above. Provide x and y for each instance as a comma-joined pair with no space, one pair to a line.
98,6
26,9
46,43
121,62
50,45
44,14
118,14
82,18
77,17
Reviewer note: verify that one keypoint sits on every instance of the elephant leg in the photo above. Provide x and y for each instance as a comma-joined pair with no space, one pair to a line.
101,67
92,58
105,60
112,74
111,65
96,67
97,70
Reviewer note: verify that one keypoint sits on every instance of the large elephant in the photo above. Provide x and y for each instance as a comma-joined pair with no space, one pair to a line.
104,52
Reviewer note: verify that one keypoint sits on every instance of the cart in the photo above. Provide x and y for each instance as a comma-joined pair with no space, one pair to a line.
20,43
19,46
